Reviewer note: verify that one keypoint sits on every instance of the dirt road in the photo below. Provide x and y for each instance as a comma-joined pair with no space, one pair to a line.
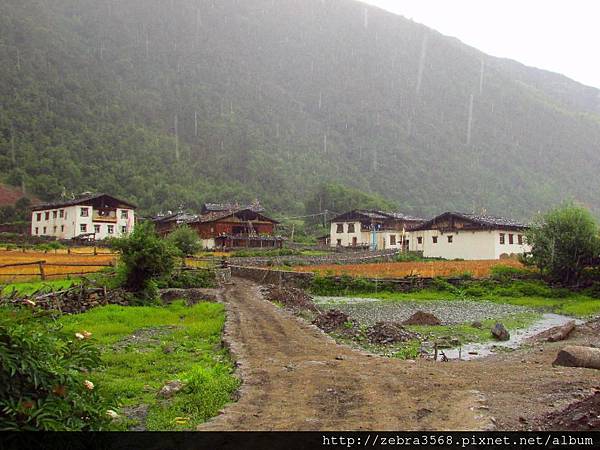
297,378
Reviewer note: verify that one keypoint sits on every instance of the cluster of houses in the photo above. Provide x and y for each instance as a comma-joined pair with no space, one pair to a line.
450,235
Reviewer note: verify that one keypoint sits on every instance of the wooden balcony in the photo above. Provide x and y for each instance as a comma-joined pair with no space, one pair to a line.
109,216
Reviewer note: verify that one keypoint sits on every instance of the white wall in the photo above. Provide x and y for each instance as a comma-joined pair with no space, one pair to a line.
468,245
363,238
70,225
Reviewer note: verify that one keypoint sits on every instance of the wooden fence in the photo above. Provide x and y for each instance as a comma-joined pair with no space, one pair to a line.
42,273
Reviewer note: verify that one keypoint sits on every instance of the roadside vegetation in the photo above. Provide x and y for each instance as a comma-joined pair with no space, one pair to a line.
108,367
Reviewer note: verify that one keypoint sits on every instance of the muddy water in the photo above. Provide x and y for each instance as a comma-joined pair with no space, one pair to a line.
517,337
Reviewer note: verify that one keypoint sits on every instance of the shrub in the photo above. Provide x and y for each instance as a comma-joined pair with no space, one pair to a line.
144,258
185,240
507,273
42,377
189,279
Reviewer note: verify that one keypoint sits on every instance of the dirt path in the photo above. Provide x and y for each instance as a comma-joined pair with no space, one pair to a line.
297,378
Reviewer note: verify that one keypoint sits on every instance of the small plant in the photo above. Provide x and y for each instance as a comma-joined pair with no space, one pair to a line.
507,273
43,377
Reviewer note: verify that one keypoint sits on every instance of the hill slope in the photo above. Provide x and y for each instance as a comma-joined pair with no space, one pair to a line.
176,102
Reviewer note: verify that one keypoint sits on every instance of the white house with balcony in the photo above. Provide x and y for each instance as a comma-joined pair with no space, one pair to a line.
469,236
94,217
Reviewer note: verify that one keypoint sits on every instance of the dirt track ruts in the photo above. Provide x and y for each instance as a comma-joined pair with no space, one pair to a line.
297,378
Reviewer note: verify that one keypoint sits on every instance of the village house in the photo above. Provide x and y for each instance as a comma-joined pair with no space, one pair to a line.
377,230
94,217
469,236
226,226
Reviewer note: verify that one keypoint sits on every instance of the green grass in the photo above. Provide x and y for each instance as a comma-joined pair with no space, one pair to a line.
28,288
185,345
528,293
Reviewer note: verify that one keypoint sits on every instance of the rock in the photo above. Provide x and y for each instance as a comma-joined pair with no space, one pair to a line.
170,389
477,324
422,318
561,333
500,332
577,356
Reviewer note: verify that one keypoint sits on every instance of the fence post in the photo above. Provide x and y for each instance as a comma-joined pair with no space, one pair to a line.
42,273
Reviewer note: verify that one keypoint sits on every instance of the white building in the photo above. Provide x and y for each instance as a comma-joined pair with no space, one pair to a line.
92,216
469,237
377,230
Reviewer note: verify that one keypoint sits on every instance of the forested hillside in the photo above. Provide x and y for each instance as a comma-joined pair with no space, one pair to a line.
175,102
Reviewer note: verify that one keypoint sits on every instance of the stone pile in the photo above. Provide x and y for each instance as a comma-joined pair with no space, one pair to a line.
384,333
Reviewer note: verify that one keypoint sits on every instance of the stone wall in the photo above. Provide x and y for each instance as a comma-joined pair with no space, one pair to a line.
332,258
266,276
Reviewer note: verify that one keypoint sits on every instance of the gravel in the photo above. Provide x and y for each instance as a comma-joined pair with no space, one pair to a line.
368,311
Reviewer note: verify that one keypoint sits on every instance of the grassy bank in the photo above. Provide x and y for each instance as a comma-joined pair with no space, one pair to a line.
145,347
530,293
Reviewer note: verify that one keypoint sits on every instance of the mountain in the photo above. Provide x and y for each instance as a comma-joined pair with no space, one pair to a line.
176,102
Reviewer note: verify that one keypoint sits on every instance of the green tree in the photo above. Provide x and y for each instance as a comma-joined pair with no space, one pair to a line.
185,240
145,257
564,241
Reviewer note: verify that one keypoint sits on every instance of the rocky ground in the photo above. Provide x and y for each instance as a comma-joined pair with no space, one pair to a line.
448,312
295,377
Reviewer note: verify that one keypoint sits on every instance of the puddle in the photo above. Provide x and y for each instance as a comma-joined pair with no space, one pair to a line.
472,351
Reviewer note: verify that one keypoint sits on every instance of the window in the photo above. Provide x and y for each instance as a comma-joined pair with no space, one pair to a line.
37,230
62,228
520,239
450,238
111,229
124,229
85,212
434,238
511,239
55,228
350,228
393,239
502,238
61,213
96,229
83,227
124,214
340,228
54,214
44,230
339,242
354,241
47,215
419,240
38,217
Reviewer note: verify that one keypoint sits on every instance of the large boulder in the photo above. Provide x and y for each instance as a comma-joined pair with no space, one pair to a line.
500,332
578,356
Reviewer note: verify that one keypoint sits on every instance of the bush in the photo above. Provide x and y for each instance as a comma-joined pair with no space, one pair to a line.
185,240
43,384
189,279
145,257
507,273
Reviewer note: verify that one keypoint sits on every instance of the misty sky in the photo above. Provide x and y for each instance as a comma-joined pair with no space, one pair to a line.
558,35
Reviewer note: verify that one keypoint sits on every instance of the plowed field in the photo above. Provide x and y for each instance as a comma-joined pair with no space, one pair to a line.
479,269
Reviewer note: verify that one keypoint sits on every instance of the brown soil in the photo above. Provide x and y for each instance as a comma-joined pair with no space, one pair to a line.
389,333
422,318
297,378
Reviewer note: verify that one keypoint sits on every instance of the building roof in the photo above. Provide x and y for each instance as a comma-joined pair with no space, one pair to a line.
179,217
220,207
84,199
483,221
218,215
376,215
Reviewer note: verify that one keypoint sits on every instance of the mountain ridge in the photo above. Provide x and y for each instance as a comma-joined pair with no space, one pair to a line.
176,103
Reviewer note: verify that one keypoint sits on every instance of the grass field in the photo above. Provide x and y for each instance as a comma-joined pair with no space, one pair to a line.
479,269
145,347
57,263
